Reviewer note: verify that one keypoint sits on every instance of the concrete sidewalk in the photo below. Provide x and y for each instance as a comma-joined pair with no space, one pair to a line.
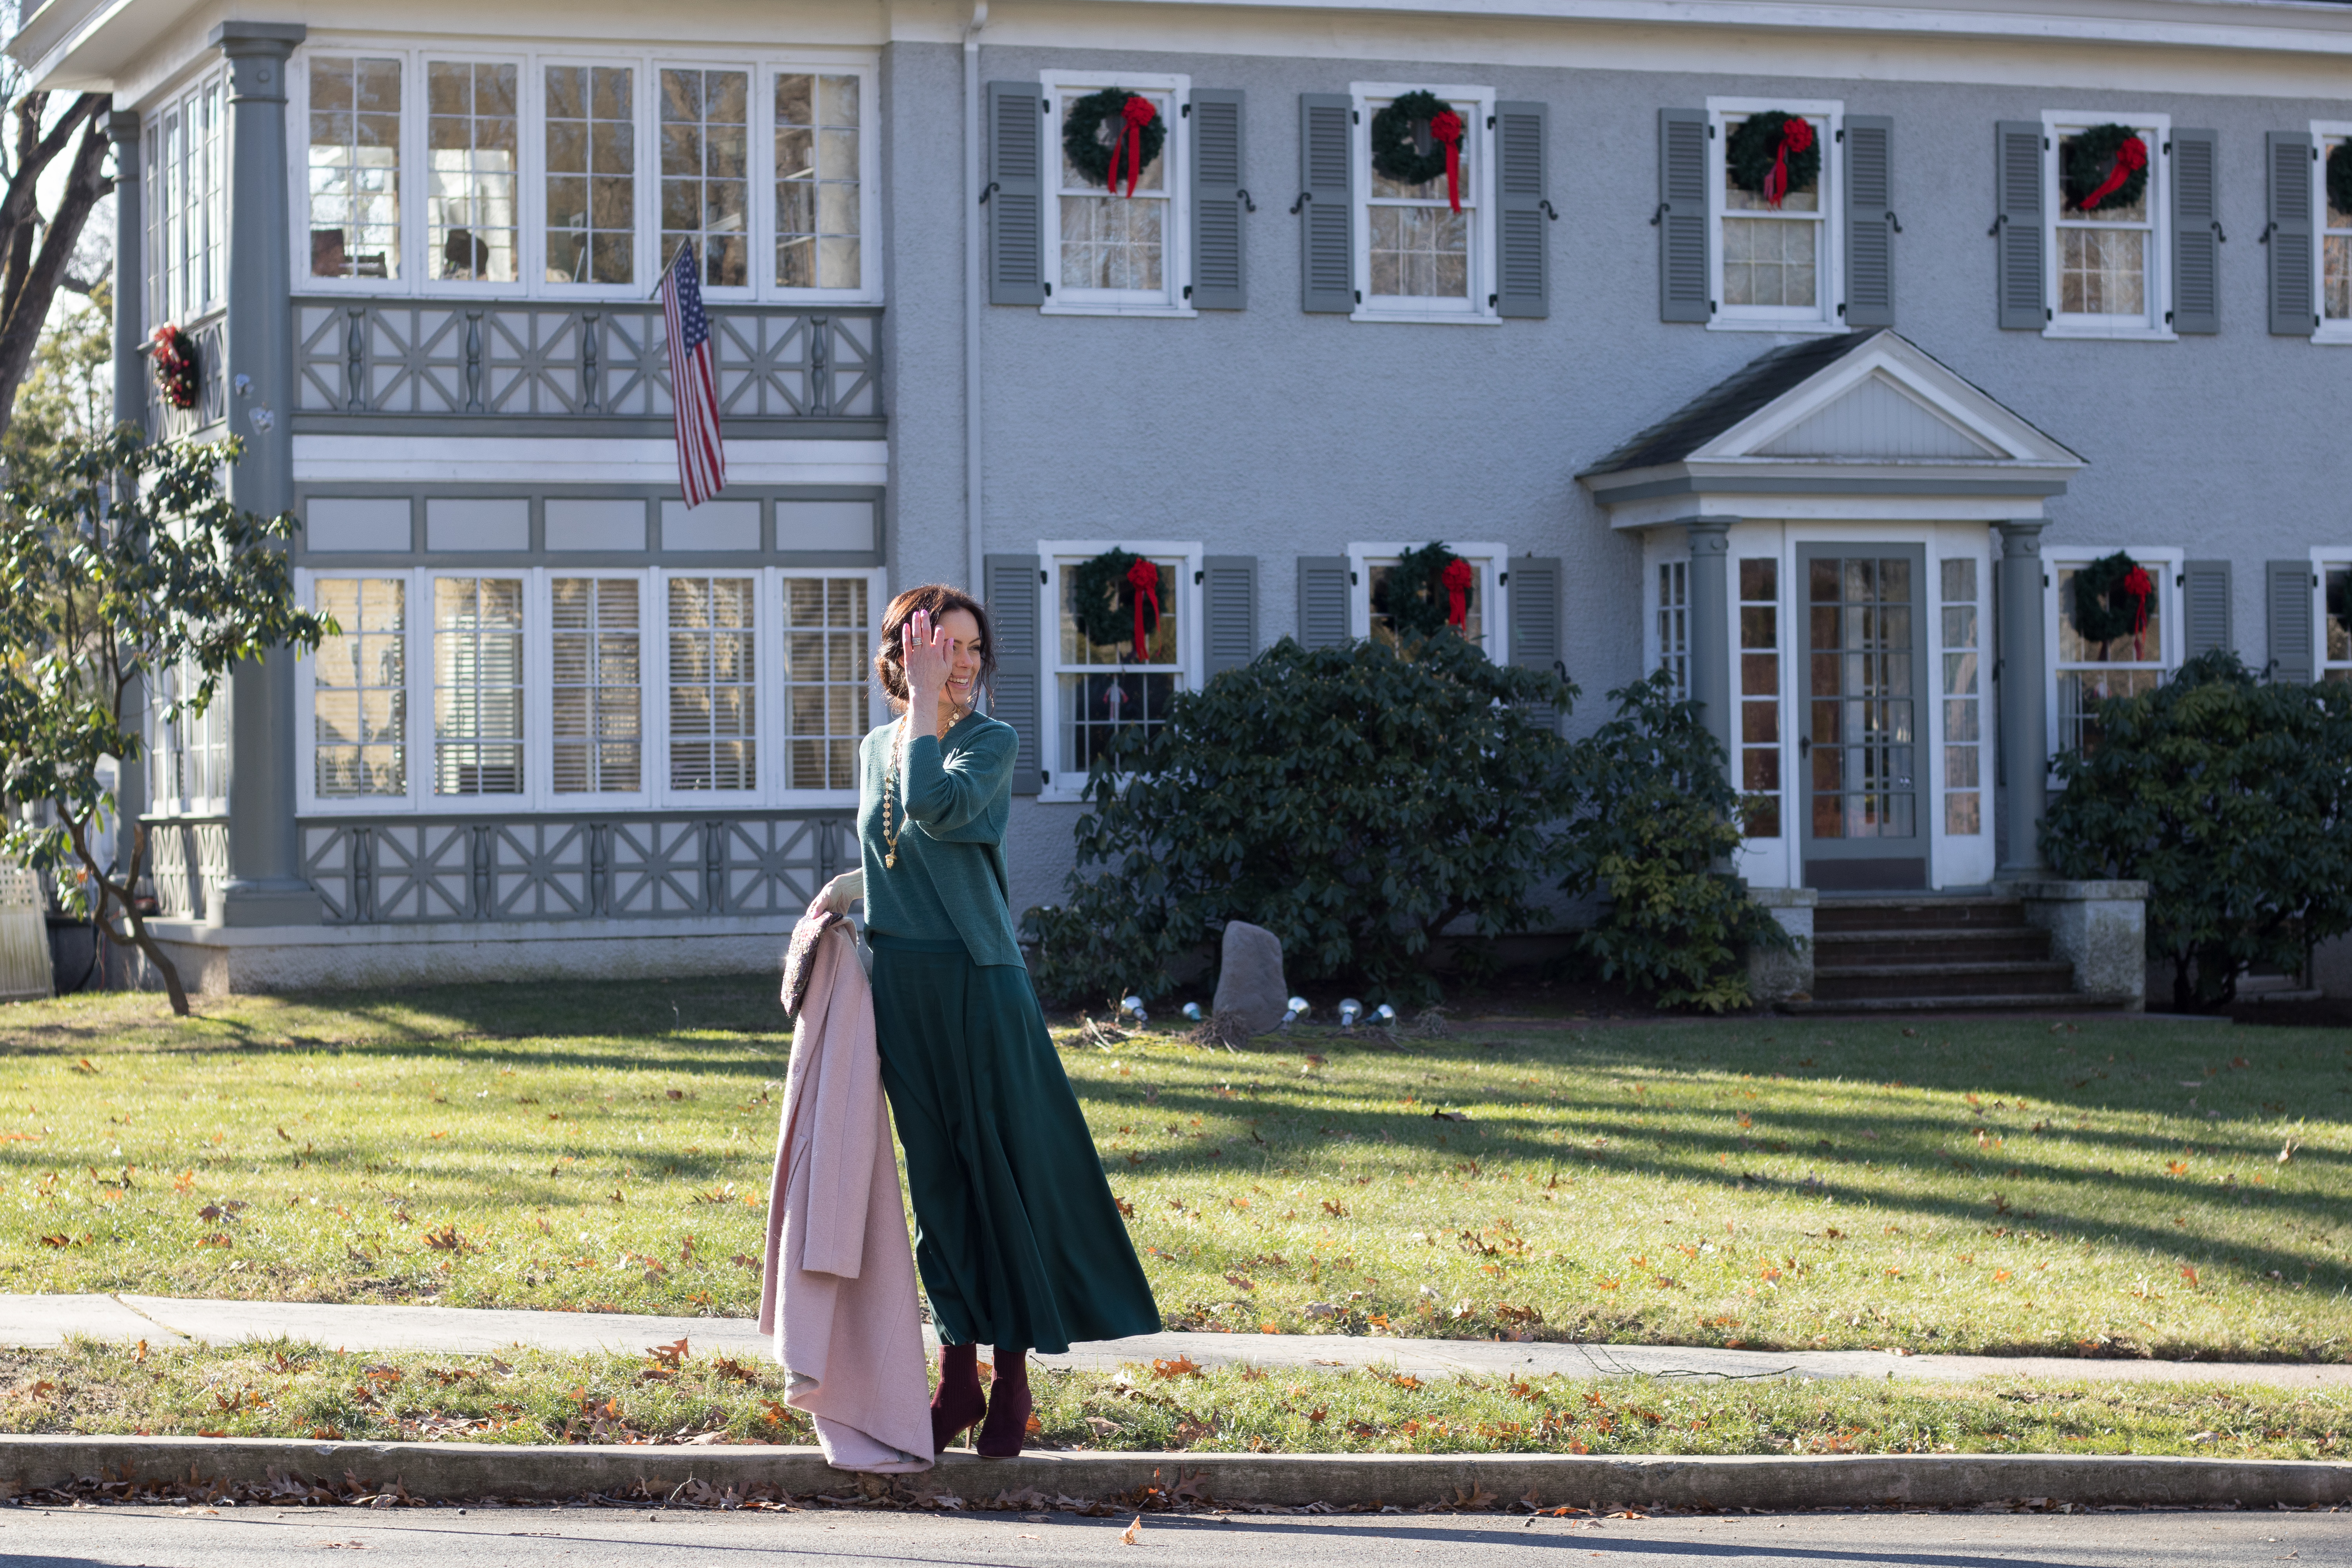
48,1321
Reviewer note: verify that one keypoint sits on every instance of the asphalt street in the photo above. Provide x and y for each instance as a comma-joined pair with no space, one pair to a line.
583,1538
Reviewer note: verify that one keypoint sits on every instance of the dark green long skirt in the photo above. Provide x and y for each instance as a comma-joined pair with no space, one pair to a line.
1018,1239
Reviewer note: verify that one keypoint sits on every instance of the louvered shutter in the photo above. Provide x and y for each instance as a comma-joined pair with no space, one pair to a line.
2196,232
1015,275
1228,612
1522,273
2294,307
1327,272
1218,276
1869,221
2288,586
1535,622
1682,217
2018,253
1012,597
2205,607
1323,595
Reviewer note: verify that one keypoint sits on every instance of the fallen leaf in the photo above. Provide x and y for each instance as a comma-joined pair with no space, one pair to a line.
1127,1537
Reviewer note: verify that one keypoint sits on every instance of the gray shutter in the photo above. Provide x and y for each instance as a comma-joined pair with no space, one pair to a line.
2018,250
1869,221
1015,129
1326,269
1228,612
1681,216
2295,307
2205,607
1522,273
1323,596
2196,232
2288,586
1535,622
1218,275
1012,597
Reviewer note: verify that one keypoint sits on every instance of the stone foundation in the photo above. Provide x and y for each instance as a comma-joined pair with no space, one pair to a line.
2100,928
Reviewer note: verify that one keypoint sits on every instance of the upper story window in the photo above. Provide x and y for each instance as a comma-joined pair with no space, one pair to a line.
2331,178
568,177
187,243
2107,184
2104,646
1424,248
1774,192
1111,247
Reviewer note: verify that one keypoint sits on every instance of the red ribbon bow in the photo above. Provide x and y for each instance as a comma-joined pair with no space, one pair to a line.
1138,114
1796,135
2138,588
1445,129
1144,578
1457,578
2130,159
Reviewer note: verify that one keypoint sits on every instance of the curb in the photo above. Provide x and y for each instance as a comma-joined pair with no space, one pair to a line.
266,1467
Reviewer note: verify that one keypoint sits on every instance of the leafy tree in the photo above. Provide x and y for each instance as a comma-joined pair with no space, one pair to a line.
1356,801
121,559
1656,840
2233,799
69,394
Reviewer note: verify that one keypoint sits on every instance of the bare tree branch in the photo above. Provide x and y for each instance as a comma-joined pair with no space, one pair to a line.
31,291
20,209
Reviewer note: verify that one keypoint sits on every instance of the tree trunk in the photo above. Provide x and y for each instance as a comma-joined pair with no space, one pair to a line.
125,894
34,276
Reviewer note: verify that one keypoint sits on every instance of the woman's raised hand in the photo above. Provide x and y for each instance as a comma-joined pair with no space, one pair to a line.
926,649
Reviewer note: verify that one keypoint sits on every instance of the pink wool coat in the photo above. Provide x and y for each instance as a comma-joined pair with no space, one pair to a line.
838,1292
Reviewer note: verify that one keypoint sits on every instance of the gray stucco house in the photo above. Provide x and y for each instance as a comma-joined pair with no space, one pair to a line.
1836,461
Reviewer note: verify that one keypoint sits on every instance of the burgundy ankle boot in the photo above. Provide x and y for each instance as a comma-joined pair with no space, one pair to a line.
957,1402
1001,1434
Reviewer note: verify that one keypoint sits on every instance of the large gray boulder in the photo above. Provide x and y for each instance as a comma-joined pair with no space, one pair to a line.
1250,987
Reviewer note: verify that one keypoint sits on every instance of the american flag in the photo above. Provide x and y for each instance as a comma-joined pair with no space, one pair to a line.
693,392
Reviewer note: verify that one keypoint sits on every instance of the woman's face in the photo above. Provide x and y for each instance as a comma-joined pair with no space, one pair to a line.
963,655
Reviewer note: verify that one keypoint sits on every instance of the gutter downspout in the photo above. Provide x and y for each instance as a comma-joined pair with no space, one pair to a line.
973,282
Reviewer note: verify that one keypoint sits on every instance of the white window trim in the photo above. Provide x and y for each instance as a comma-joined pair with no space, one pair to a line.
2155,326
539,795
2053,560
2340,330
1492,561
2324,557
1067,784
1175,155
1830,269
156,305
157,749
1482,308
763,66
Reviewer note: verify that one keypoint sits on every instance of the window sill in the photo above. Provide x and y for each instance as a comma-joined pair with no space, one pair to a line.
2335,333
1719,323
1428,318
1062,794
2111,334
1170,312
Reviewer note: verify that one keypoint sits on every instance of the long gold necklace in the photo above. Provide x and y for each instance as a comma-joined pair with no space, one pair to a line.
892,771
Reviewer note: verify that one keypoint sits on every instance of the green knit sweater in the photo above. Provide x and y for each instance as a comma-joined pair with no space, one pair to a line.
949,881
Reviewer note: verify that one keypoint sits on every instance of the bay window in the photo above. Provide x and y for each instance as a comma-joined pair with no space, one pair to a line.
471,140
186,186
591,188
705,171
359,709
818,179
354,165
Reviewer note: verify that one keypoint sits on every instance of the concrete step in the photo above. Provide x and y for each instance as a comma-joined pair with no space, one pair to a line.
1847,915
2071,1001
1963,944
1848,983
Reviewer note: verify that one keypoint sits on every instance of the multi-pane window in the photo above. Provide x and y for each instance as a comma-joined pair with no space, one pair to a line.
2090,672
596,685
1379,584
2336,617
354,166
477,686
1418,248
1114,245
186,184
818,184
1103,688
591,174
1671,609
1963,631
1860,734
470,146
1775,256
1760,695
359,707
2335,239
713,682
706,171
828,638
2105,258
187,766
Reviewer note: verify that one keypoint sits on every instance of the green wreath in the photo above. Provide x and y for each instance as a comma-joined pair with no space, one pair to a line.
2092,159
1398,131
1414,594
1088,145
2339,177
1102,601
1755,146
2103,610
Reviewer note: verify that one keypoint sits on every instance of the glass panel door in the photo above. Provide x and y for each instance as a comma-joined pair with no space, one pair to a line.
1859,744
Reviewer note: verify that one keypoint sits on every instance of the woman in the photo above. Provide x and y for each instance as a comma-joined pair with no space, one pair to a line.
1016,1234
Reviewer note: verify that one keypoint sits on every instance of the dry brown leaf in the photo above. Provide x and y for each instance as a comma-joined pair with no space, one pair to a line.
1128,1537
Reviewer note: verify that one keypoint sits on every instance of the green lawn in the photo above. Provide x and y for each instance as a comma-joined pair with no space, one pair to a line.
675,1395
2106,1188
